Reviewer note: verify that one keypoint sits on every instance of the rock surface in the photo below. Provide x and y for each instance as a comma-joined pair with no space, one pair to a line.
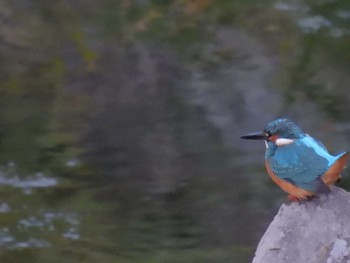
313,231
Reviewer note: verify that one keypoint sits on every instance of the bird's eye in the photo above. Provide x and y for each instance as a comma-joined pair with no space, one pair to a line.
267,134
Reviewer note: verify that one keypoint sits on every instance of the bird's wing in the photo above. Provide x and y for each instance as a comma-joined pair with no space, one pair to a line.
315,141
300,163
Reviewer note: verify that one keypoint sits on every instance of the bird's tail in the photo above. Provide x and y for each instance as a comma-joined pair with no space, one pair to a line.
333,173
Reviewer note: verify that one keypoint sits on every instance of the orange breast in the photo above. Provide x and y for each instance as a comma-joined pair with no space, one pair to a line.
288,187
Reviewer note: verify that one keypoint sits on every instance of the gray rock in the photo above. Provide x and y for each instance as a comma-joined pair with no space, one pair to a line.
312,231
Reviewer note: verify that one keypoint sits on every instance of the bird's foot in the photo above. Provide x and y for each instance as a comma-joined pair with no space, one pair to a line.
293,198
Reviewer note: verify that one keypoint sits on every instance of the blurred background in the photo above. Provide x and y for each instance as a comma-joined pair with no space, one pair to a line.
120,122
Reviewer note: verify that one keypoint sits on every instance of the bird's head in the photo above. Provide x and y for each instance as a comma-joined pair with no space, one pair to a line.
284,129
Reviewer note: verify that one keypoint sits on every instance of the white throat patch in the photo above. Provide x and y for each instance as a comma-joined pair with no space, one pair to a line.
283,141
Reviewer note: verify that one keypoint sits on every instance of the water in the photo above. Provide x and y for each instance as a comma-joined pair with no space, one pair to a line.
120,123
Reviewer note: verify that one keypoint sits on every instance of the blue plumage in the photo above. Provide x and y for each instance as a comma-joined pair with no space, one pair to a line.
299,164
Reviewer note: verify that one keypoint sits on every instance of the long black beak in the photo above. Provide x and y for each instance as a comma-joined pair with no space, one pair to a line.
255,136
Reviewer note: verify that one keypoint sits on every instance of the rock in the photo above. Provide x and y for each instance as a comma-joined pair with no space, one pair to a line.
312,231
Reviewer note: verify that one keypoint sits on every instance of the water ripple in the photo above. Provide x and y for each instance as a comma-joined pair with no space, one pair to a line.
39,180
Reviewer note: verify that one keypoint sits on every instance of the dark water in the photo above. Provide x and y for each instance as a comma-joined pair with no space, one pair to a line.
120,122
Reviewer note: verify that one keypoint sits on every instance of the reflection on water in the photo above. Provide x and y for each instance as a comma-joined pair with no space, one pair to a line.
36,181
311,18
30,225
313,23
120,123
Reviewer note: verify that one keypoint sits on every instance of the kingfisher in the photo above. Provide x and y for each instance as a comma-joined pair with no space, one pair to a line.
299,164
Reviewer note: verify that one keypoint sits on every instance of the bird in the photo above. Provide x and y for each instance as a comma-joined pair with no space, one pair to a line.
298,163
